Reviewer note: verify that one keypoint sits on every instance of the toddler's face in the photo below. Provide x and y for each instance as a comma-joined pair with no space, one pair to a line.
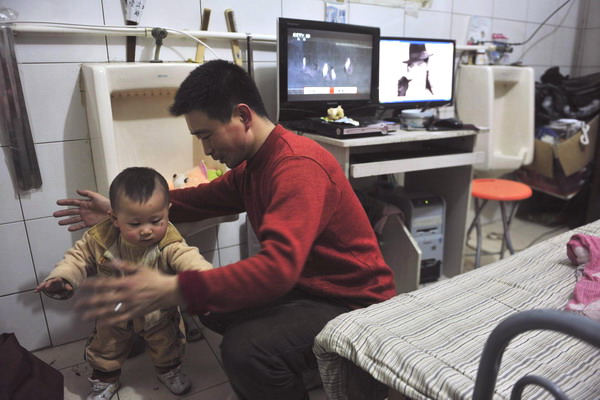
142,224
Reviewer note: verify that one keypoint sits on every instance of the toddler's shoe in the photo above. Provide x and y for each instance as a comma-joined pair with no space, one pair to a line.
102,390
176,381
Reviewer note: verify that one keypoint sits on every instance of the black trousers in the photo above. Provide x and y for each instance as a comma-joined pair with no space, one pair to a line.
266,350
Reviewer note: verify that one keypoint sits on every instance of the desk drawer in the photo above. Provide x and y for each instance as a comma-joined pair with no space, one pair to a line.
383,167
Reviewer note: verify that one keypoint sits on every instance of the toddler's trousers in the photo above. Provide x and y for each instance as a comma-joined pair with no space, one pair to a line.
108,346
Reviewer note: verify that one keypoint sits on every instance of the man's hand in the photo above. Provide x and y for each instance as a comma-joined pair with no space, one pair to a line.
87,212
54,285
141,291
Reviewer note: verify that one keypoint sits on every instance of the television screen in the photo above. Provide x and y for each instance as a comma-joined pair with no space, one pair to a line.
415,73
325,64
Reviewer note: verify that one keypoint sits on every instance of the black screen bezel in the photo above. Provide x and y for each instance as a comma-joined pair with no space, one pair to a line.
289,110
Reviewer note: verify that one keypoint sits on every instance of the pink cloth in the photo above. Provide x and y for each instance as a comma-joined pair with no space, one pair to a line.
586,296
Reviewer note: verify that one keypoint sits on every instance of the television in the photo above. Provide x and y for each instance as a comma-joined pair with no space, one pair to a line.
323,65
415,73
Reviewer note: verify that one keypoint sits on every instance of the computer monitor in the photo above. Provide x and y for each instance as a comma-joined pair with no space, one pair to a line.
415,73
323,65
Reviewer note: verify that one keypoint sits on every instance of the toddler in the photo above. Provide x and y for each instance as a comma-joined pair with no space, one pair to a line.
139,231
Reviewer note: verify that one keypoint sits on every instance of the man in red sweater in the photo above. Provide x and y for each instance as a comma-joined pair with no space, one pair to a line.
318,258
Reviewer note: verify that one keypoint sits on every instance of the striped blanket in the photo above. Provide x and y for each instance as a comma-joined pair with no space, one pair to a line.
427,344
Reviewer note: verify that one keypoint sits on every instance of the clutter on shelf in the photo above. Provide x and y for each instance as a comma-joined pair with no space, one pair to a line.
195,176
337,115
566,120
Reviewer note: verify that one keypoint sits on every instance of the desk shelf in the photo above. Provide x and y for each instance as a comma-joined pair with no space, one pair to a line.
383,167
400,136
438,162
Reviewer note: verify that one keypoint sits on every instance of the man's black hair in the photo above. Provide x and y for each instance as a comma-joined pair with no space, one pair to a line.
137,184
215,88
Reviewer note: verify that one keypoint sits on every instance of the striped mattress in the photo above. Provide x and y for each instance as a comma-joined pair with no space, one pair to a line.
427,344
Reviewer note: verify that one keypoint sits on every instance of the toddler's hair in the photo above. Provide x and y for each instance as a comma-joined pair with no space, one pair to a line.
137,184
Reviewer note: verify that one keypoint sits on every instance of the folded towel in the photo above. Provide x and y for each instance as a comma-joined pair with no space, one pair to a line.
585,249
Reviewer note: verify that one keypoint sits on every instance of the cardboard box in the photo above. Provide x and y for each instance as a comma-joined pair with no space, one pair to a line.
561,186
570,155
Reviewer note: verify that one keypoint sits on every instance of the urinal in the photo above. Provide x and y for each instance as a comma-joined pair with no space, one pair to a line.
127,106
501,98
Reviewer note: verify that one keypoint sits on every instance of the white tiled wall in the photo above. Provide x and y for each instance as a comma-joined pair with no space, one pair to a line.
31,241
20,275
59,82
10,211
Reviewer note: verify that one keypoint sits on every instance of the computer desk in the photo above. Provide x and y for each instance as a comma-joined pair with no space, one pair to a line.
436,162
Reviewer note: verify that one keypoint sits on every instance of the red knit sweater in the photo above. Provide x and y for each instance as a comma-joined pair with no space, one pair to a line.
313,231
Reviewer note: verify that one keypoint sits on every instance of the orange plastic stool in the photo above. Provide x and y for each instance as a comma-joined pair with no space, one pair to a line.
501,190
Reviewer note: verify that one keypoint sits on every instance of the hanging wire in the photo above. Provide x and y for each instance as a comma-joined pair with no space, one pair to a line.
538,28
196,39
542,24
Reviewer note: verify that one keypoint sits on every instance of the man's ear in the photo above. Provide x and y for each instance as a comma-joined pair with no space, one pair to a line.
245,113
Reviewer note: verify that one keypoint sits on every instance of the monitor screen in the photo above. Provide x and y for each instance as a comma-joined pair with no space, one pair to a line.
415,73
323,65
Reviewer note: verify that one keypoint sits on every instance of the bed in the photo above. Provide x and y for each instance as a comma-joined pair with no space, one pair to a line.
427,344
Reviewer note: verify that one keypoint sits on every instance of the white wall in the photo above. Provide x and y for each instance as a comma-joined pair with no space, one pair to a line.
30,239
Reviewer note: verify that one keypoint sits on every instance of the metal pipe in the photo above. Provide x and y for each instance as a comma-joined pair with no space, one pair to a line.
99,30
471,47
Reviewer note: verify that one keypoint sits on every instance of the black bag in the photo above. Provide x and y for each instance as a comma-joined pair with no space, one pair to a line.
559,96
550,103
23,376
583,90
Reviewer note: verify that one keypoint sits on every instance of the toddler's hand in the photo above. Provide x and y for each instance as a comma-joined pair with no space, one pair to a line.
54,285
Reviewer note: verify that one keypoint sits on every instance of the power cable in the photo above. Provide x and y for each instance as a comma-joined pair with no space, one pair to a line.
540,27
534,32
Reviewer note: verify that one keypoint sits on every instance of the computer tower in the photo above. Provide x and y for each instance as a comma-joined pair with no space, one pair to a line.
425,216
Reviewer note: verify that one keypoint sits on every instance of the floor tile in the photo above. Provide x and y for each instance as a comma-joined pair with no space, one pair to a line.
219,392
214,342
77,385
523,234
64,356
140,382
